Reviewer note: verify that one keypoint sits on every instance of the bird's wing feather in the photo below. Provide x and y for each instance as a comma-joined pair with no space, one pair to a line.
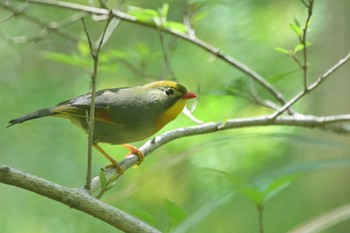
80,106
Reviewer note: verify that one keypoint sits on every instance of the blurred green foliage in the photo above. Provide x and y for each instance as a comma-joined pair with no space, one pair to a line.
208,183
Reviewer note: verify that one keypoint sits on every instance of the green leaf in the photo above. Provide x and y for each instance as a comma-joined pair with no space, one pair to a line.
300,47
143,15
242,187
198,17
279,76
163,11
296,22
83,48
295,28
103,179
277,185
175,26
260,191
282,50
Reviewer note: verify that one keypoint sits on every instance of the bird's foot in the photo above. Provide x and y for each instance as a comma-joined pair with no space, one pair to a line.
136,151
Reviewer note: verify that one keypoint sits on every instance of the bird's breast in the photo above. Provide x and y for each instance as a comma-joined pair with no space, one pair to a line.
170,114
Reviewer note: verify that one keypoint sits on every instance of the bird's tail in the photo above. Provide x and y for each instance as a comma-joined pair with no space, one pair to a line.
40,113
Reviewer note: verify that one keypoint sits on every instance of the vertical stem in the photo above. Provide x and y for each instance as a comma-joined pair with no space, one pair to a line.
260,218
303,41
91,117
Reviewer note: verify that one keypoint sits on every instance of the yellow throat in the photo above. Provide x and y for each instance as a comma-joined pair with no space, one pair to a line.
170,114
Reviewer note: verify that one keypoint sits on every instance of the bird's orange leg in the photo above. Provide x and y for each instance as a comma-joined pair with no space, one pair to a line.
114,163
134,150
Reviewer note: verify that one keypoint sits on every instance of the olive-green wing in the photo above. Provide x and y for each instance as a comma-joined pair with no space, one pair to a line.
79,107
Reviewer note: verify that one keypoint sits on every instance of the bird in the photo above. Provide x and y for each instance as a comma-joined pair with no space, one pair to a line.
122,115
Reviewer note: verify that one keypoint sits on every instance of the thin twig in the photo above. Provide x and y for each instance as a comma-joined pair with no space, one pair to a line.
329,123
260,210
54,27
255,98
303,41
190,38
18,11
188,16
95,57
91,117
312,86
112,26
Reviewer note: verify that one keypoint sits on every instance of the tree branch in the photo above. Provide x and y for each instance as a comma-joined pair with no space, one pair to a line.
188,37
303,41
329,123
47,27
95,53
74,198
313,86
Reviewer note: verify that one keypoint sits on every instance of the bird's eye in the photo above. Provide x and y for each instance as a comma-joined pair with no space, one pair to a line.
169,91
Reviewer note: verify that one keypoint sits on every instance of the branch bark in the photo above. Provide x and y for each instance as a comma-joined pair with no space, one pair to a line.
81,200
188,37
336,124
74,198
313,86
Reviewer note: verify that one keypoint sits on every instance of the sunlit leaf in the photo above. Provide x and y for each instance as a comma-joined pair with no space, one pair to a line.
300,47
282,75
175,26
163,11
103,178
260,191
84,49
296,22
277,185
282,50
143,15
242,187
198,17
295,28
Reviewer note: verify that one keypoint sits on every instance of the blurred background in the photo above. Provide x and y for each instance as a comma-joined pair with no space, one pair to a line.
207,183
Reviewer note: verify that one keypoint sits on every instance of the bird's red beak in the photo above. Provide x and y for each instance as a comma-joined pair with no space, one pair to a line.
189,95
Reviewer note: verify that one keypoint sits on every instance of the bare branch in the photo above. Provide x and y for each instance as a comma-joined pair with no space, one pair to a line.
330,123
303,41
95,57
74,198
52,27
312,86
188,37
